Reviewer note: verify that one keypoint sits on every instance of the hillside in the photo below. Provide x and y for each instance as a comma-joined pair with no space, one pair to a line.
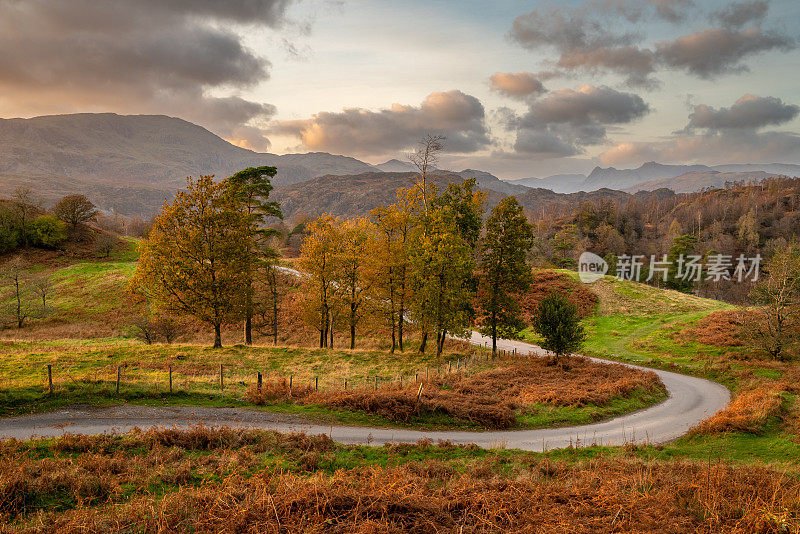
131,163
696,180
651,176
353,196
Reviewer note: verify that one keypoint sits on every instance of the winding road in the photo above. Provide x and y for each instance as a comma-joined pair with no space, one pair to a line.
690,401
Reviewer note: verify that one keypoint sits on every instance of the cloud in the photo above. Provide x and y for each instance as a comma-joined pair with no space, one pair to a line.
738,14
712,149
516,84
562,122
719,50
749,111
672,10
730,135
458,116
138,56
583,40
590,39
587,104
633,62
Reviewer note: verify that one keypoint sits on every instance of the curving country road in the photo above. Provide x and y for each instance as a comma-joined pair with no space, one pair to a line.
690,401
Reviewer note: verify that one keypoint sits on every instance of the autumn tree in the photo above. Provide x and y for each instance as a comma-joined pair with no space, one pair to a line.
774,327
391,261
195,258
441,266
318,263
252,187
75,210
557,321
466,204
503,270
353,270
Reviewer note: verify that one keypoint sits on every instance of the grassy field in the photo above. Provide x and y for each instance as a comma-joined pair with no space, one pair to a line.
86,336
640,324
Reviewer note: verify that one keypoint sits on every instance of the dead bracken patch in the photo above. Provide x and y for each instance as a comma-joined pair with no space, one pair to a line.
720,329
489,398
108,488
748,412
548,281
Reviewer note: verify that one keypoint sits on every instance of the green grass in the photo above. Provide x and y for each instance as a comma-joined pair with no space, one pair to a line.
640,324
84,372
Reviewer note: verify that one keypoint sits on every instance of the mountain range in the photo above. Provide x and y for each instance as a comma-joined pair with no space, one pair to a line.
133,163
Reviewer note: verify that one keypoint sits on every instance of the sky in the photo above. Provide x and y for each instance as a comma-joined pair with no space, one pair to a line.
518,89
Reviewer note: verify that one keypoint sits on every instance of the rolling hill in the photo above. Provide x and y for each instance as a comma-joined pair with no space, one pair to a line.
131,163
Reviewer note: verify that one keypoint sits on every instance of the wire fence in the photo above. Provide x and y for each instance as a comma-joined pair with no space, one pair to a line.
174,379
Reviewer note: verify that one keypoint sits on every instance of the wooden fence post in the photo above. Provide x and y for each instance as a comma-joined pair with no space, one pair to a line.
345,384
259,379
291,378
221,380
170,379
50,378
316,383
119,371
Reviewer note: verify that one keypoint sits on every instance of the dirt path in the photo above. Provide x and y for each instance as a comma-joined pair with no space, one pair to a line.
690,401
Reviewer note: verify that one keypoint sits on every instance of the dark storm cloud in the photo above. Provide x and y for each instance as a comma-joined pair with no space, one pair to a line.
458,116
142,56
749,111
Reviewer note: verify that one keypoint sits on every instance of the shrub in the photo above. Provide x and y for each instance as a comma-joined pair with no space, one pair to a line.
48,231
557,321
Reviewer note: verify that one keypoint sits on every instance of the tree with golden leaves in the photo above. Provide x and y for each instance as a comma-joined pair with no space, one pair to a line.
195,258
354,270
390,259
318,263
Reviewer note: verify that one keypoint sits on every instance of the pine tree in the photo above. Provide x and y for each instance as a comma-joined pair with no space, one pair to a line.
252,187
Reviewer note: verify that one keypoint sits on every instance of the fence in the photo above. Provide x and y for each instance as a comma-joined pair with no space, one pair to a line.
122,377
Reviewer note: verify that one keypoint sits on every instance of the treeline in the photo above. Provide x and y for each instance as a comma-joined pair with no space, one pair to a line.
741,219
25,223
425,262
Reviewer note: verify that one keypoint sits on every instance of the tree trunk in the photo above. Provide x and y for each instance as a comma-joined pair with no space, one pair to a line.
217,337
352,326
331,330
248,328
275,312
423,342
394,337
440,344
400,329
494,334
